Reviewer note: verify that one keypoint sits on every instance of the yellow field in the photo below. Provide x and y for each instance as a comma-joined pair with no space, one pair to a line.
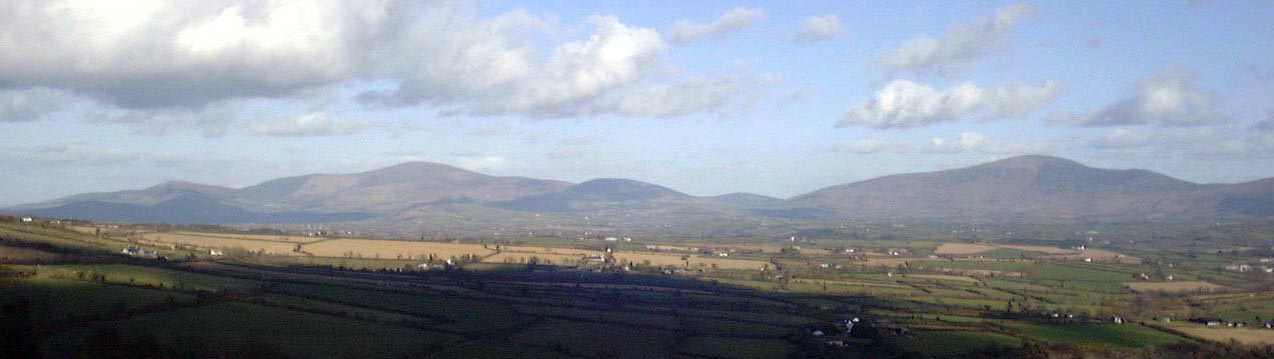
83,229
1173,287
259,237
967,248
551,250
366,248
277,248
544,258
693,261
1242,335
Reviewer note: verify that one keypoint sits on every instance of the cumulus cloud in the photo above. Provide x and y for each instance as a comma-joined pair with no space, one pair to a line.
959,45
904,104
150,54
734,20
30,104
314,124
482,71
163,56
819,28
1167,99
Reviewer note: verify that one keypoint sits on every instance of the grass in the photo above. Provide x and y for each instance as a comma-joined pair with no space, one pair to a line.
233,328
1110,335
955,343
724,347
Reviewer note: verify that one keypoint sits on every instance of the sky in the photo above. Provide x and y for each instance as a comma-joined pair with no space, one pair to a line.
707,97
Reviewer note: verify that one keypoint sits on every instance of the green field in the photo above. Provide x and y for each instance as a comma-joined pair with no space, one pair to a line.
86,295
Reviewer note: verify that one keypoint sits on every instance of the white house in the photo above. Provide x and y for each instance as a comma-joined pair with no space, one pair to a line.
216,252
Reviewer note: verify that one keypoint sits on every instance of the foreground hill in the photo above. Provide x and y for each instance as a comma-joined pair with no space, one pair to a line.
419,195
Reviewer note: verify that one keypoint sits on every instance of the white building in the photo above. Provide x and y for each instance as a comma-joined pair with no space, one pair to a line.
27,219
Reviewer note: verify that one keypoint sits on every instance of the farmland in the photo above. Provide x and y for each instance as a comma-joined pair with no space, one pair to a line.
572,298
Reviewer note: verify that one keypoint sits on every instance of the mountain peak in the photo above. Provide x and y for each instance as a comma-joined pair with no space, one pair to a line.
186,186
1033,162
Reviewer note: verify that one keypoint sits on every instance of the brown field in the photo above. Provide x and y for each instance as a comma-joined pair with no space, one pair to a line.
18,254
1242,335
694,261
1041,249
1173,287
544,258
1099,255
763,248
962,248
277,248
365,248
967,248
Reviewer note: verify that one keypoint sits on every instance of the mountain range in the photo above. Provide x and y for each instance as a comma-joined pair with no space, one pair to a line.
415,196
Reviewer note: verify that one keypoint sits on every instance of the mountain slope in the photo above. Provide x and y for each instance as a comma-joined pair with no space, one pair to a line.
604,193
188,208
388,189
1028,188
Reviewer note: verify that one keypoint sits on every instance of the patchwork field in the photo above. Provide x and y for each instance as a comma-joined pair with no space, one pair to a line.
1174,287
690,261
1242,335
204,241
363,248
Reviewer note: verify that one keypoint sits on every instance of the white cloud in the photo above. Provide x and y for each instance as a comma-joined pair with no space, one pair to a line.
903,104
482,71
974,142
1169,98
965,142
164,56
146,54
212,121
734,20
673,100
30,104
314,124
959,45
819,28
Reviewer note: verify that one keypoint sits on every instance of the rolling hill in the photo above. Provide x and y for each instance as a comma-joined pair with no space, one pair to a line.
1027,189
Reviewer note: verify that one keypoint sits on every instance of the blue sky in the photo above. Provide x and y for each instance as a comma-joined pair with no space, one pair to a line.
706,97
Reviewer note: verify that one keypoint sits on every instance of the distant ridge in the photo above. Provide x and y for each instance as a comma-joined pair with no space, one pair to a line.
418,195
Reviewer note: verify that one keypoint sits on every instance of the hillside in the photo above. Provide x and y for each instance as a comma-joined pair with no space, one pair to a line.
421,195
1025,188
